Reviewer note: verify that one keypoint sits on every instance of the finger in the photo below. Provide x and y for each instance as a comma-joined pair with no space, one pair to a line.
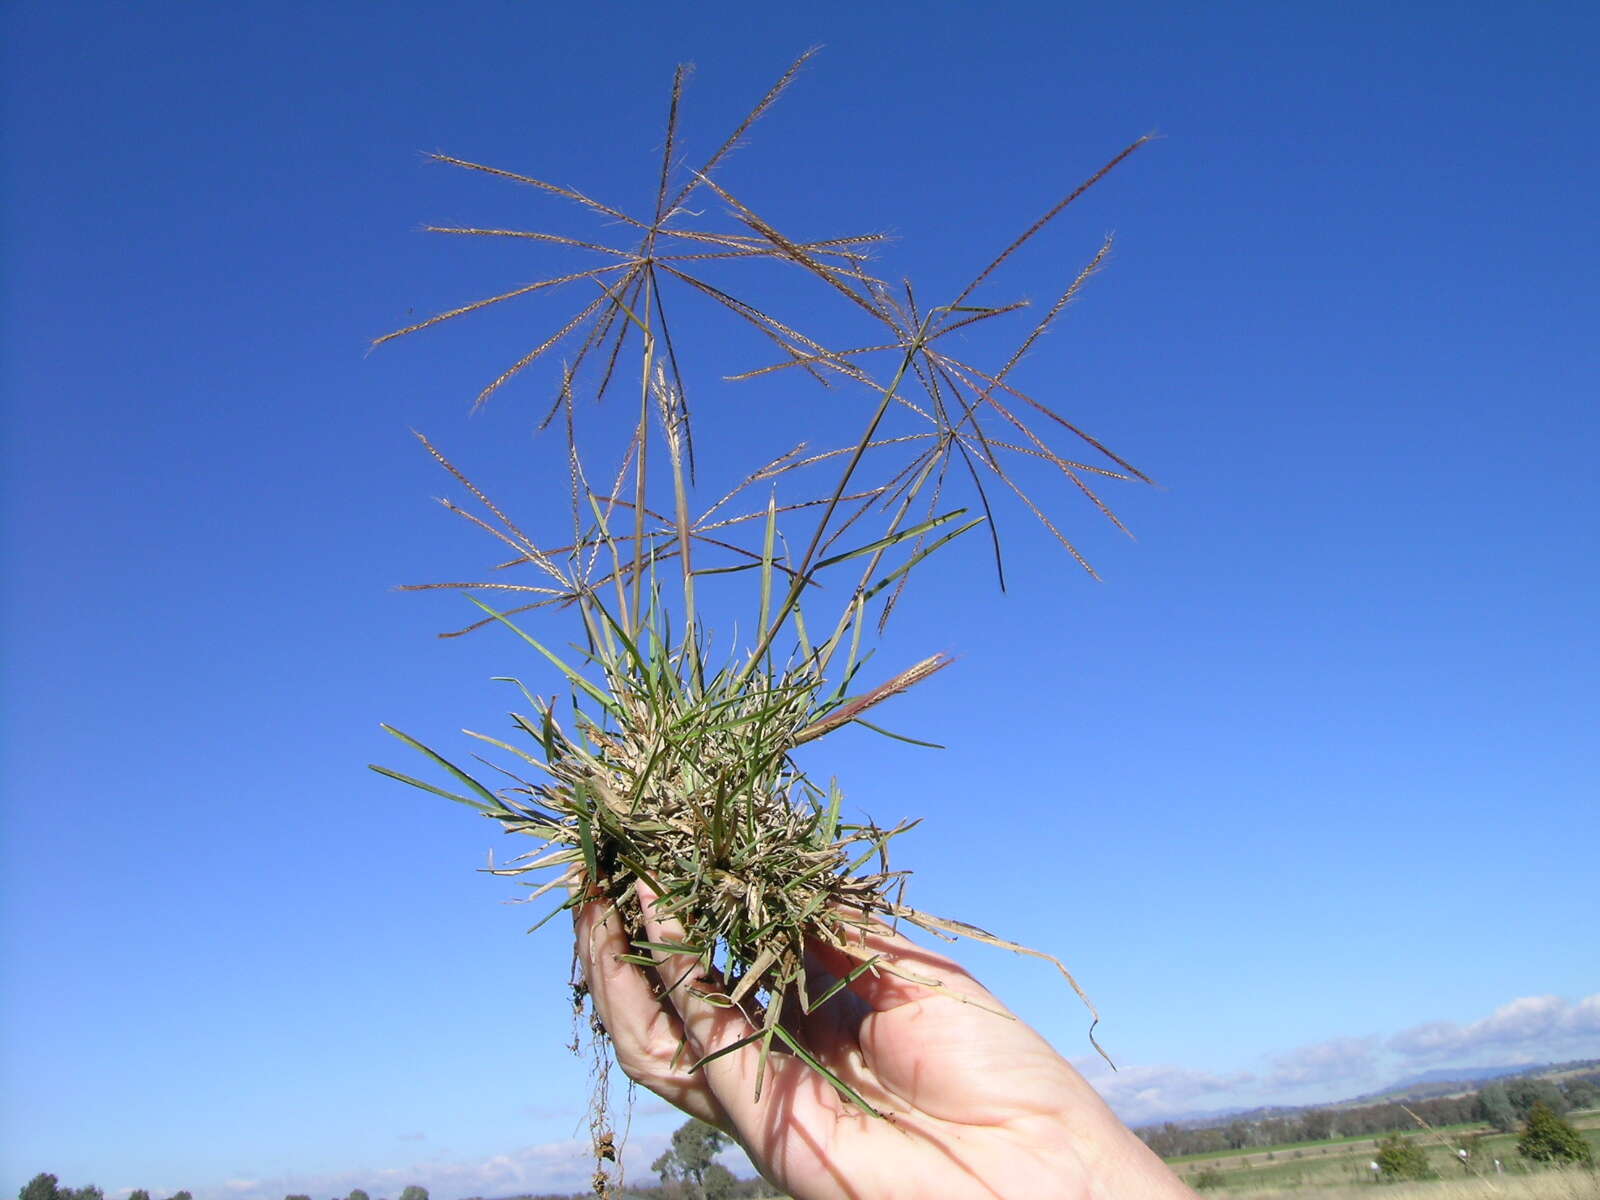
831,1027
903,973
646,1034
709,1028
938,1039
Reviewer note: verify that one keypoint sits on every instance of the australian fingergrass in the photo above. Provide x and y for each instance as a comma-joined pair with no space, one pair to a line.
673,763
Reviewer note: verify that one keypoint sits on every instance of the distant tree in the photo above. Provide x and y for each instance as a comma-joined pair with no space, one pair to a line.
691,1160
718,1182
185,1195
666,1166
1237,1135
295,1196
1525,1093
1166,1140
413,1192
1316,1124
40,1187
1278,1131
1401,1158
355,1194
1547,1138
1494,1106
1582,1094
139,1194
88,1192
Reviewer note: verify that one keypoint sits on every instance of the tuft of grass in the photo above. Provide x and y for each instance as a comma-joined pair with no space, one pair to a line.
668,764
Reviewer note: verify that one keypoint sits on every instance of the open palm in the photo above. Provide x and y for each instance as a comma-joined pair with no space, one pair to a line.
974,1102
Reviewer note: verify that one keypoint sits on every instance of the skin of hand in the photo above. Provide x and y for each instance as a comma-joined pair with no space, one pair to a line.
976,1103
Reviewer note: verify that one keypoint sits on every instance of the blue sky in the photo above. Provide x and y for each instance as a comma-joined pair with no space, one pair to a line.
1304,790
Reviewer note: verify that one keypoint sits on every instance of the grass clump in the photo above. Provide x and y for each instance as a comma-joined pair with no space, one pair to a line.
668,763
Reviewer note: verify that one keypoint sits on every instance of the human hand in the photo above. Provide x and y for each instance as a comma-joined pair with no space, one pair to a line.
975,1102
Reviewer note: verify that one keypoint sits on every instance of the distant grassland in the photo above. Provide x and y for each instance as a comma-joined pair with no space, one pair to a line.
1544,1185
1355,1140
1333,1168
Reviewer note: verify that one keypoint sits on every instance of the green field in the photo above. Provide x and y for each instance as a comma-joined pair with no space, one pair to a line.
1545,1185
1325,1146
1340,1163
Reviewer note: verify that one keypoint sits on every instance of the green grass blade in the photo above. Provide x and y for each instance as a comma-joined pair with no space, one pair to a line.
893,539
769,536
839,985
580,803
572,902
899,737
830,824
509,749
839,1085
921,554
428,787
532,700
728,1049
576,679
673,948
491,801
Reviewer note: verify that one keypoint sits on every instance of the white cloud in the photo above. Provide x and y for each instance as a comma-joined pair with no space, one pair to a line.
1583,1018
1141,1094
1430,1040
550,1166
1525,1028
1332,1061
565,1166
